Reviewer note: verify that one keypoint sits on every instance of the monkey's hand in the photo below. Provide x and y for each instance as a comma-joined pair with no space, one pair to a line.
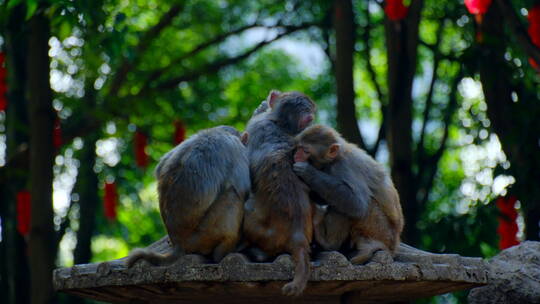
303,169
319,211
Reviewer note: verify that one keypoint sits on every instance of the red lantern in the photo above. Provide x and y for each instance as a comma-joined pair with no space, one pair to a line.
508,227
3,83
23,212
395,10
534,30
179,132
141,158
478,8
57,133
110,201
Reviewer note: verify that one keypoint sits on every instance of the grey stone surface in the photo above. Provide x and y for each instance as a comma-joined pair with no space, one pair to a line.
514,277
413,274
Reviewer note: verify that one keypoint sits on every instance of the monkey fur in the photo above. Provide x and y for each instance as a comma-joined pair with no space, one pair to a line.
363,205
278,214
202,185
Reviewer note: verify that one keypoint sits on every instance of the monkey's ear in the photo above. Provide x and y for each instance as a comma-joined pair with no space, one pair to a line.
333,151
272,97
244,138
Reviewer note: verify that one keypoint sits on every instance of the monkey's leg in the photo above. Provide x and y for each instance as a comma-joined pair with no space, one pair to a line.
332,231
219,230
230,213
300,256
366,248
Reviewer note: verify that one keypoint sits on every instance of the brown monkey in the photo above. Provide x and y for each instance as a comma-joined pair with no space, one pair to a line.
278,214
202,185
363,205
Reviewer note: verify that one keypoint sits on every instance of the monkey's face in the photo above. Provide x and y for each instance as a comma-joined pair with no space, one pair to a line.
317,144
318,155
301,154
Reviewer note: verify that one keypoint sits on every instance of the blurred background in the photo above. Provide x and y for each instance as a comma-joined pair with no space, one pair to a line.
94,92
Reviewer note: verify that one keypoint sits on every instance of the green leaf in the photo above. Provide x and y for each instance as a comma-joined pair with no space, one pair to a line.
12,3
31,7
64,30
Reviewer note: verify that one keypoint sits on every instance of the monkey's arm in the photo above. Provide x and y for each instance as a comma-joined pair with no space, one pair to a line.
335,191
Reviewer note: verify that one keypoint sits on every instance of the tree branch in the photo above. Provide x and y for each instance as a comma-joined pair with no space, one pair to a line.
433,160
382,133
509,14
366,36
429,97
156,74
144,43
215,66
325,28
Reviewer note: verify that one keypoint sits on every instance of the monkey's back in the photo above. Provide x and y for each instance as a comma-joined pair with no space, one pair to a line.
194,174
385,210
281,211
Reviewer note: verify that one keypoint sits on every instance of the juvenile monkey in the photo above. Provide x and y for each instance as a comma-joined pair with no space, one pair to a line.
363,205
278,214
202,185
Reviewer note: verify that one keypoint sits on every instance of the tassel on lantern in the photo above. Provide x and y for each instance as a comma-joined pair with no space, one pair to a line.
179,132
110,201
3,83
508,227
23,212
57,133
478,8
534,30
141,158
395,10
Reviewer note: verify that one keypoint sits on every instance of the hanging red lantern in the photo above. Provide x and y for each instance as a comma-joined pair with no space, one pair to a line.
508,227
478,8
110,201
534,30
3,83
57,133
141,158
395,10
23,212
179,132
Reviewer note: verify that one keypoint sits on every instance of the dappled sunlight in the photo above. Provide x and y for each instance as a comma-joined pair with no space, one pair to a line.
443,94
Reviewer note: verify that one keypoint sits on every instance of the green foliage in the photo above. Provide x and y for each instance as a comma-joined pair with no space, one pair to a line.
93,42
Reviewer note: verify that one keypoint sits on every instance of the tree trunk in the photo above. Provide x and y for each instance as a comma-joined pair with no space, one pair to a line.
515,123
344,27
87,187
42,241
14,273
402,42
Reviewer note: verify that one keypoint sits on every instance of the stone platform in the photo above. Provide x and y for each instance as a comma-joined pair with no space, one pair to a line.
414,274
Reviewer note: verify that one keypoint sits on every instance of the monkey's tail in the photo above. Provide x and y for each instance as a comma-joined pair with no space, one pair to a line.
154,258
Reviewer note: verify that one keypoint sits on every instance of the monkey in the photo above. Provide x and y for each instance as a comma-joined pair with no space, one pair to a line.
278,214
362,203
202,185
